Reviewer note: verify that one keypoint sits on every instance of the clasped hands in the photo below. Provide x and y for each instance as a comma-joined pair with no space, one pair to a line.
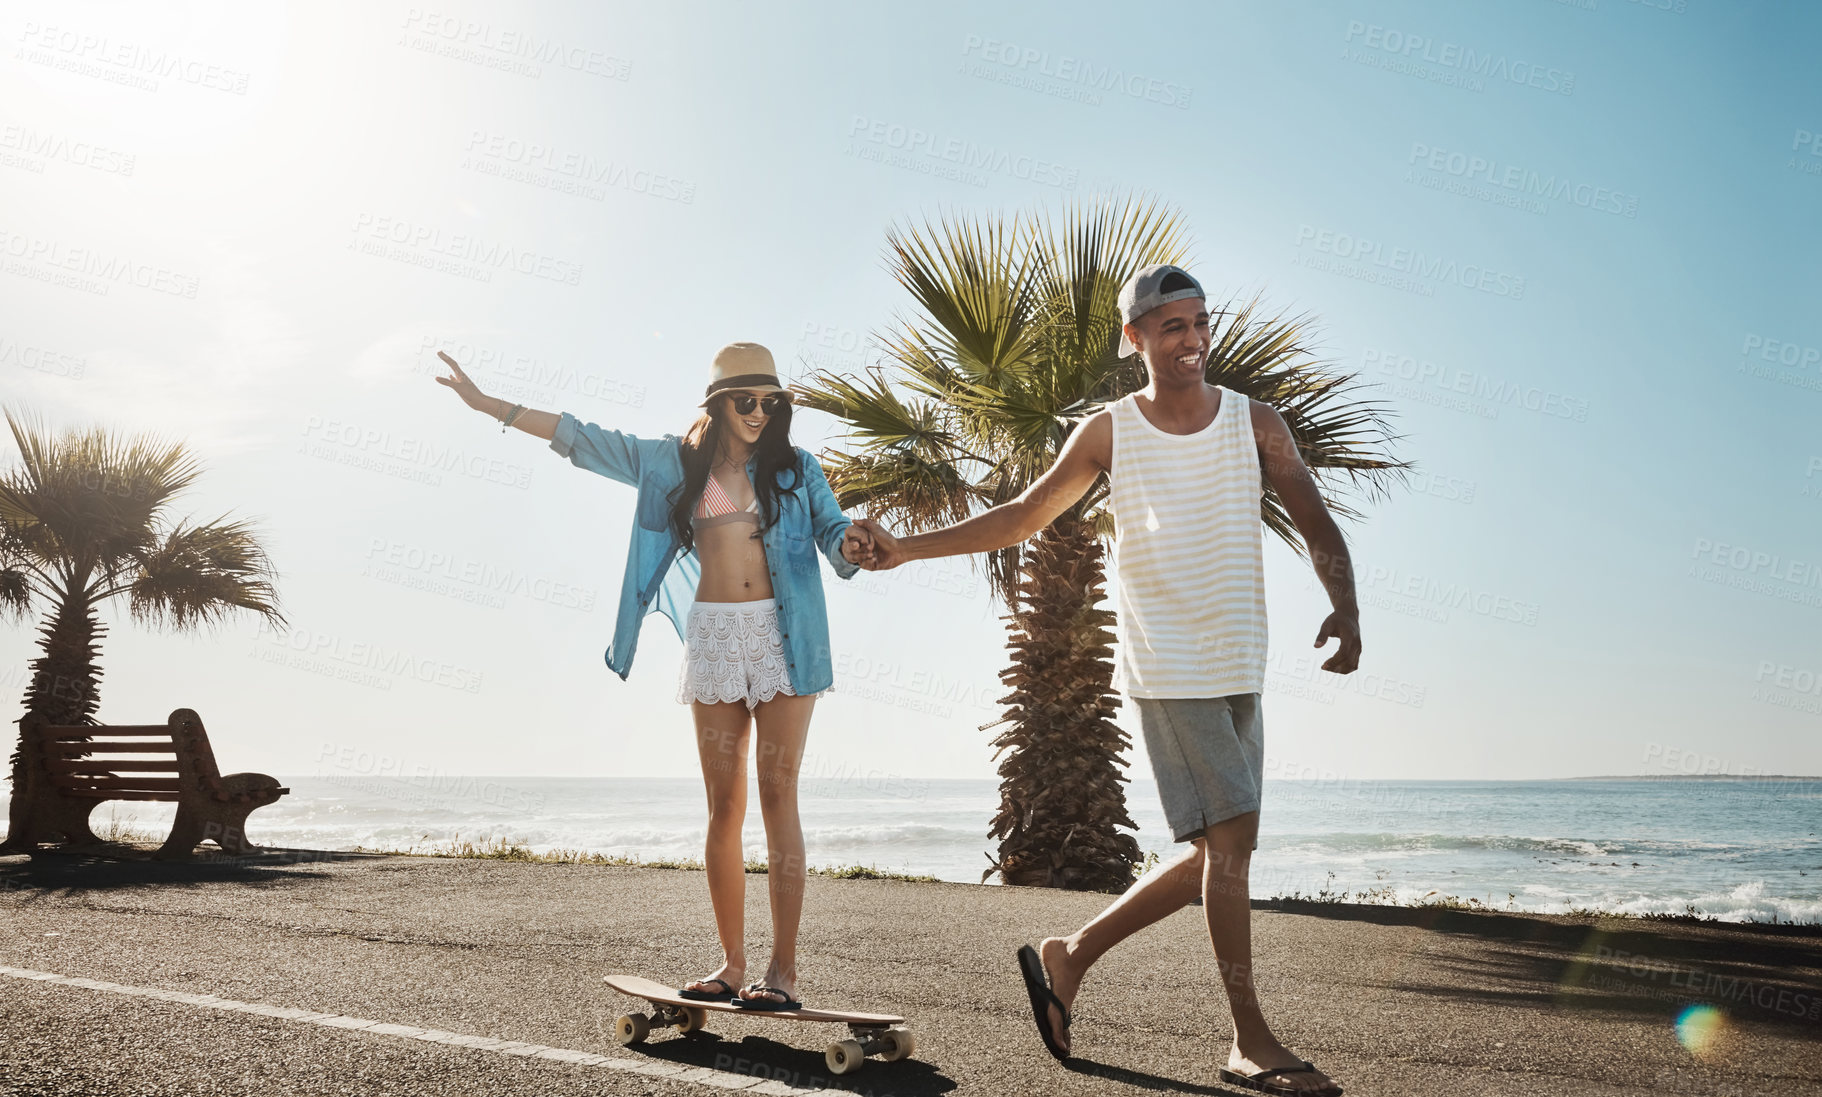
871,545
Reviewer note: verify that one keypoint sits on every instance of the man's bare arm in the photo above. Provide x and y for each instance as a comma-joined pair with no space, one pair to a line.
1297,490
1085,456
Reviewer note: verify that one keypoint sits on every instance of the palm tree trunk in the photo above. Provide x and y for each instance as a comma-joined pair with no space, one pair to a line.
64,690
1061,794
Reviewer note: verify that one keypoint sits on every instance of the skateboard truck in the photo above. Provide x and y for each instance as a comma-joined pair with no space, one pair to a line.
890,1042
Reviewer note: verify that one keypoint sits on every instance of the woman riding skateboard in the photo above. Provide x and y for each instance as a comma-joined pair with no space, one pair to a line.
729,521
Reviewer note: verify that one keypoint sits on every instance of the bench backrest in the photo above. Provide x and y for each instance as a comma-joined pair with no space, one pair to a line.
126,761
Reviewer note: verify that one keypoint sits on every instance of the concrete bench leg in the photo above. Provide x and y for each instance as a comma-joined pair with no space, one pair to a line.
186,832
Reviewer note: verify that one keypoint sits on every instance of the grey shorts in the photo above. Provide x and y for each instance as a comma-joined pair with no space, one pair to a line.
1208,755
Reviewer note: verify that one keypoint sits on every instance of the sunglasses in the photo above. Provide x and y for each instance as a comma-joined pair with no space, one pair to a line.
772,404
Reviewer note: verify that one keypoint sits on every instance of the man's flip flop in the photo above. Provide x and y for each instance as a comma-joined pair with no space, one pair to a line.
1257,1082
1037,988
724,994
764,1005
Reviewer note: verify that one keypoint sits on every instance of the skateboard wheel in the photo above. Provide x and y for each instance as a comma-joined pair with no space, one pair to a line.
844,1057
903,1045
632,1028
695,1019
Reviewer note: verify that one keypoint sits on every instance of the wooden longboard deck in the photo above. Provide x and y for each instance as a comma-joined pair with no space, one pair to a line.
663,995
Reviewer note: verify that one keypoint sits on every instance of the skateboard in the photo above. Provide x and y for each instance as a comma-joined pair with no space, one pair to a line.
880,1034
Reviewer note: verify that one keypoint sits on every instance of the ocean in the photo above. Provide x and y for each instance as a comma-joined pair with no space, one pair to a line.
1734,849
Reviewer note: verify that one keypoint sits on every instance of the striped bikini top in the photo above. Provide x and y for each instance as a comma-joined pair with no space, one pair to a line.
715,508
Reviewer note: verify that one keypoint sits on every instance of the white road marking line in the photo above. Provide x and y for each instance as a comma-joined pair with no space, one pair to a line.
716,1079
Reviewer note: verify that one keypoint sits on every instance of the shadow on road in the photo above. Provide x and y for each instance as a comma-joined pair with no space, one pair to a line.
1139,1079
1767,974
53,873
758,1057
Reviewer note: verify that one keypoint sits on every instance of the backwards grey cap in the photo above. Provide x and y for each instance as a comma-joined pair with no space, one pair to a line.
1145,291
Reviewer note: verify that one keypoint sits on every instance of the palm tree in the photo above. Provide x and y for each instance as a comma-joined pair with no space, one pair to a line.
82,520
1014,341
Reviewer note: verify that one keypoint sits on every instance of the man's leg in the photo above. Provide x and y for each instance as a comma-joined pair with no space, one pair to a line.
1191,785
1227,905
1164,892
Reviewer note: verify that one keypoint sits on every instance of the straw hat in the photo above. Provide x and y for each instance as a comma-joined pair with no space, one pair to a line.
746,366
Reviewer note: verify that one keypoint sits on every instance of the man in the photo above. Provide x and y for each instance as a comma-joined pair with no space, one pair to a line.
1184,460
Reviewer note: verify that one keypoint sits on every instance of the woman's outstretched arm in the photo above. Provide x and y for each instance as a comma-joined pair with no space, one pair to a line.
610,453
542,424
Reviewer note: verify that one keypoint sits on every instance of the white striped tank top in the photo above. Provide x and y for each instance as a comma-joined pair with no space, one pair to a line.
1188,554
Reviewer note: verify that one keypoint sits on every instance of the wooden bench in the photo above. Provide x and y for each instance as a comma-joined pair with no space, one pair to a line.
71,768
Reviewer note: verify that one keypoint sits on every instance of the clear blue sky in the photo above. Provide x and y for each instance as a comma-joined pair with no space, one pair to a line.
1575,244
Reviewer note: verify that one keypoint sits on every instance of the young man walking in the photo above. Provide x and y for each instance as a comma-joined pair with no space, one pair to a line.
1183,460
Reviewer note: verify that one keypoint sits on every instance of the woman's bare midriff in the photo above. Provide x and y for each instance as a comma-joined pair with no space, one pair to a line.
733,559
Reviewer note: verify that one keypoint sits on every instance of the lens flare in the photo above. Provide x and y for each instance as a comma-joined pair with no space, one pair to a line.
1698,1027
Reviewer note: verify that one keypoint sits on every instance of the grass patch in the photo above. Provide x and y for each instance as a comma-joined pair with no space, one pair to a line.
868,872
122,831
500,848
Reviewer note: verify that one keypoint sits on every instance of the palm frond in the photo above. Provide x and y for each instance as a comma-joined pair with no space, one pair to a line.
83,500
1343,440
197,575
975,282
900,488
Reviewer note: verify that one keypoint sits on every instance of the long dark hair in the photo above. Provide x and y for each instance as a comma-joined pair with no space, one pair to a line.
703,442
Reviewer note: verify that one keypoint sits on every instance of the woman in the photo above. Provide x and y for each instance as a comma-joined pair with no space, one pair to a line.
729,521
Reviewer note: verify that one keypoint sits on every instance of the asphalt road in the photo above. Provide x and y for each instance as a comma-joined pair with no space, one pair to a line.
300,960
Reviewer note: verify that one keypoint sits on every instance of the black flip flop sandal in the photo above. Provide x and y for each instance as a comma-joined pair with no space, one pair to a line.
724,994
765,1006
1037,988
1258,1083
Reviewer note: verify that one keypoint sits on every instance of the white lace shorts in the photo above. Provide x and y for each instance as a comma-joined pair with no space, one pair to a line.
733,651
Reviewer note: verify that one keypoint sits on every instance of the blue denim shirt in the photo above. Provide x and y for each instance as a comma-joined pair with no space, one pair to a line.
809,520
